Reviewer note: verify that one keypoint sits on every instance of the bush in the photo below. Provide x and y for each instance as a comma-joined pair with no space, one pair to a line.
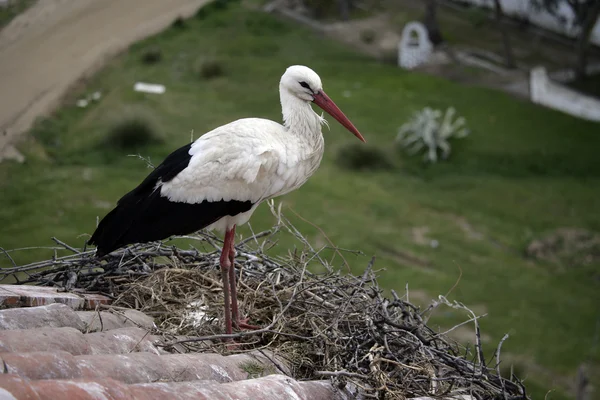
202,12
216,5
47,131
368,36
477,17
151,55
209,69
358,156
220,4
179,23
322,9
135,128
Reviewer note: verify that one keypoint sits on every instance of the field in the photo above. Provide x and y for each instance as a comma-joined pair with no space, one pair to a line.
523,172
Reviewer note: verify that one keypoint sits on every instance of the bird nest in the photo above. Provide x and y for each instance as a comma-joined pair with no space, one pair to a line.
325,325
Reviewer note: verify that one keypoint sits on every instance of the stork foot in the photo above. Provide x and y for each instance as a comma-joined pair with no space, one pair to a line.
230,343
243,324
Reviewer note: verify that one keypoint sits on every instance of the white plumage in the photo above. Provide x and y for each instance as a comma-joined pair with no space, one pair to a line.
249,159
218,181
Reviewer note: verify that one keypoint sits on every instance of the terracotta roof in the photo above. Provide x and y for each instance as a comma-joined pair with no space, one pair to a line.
53,346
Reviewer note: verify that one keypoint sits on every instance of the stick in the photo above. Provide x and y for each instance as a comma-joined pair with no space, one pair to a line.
498,364
66,246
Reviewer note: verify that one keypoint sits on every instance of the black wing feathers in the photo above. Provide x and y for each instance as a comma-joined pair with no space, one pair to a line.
143,215
175,162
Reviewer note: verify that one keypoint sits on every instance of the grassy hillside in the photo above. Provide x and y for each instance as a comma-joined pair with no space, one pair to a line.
522,172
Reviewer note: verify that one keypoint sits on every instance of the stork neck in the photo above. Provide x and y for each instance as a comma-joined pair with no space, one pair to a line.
299,117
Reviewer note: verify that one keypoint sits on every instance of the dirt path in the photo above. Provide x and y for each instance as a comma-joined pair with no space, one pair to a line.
56,42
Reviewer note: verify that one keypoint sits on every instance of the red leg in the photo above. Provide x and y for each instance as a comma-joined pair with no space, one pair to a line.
239,323
232,281
226,266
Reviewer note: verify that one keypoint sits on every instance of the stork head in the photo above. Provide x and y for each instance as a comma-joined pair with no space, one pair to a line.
304,83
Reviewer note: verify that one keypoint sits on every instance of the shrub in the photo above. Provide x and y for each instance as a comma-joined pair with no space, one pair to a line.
202,12
209,69
477,17
133,129
368,36
220,4
424,131
179,23
322,9
357,156
47,130
151,55
215,5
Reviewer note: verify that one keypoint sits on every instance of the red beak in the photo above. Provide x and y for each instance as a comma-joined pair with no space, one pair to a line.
322,100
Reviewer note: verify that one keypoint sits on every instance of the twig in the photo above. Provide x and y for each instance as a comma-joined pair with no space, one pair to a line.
457,280
220,336
9,257
66,246
139,341
145,159
341,373
498,364
324,235
459,325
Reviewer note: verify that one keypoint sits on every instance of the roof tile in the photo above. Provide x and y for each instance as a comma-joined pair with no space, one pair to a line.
215,367
31,296
49,316
17,387
272,387
116,341
41,365
121,341
129,368
59,315
50,351
91,301
44,339
104,320
108,389
136,367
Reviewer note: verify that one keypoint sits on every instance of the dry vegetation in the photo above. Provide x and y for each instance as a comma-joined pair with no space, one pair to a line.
326,325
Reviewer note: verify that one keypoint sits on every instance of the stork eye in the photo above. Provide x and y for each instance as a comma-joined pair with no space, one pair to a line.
305,85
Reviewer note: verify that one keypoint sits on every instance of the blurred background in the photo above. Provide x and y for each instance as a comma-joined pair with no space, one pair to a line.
480,179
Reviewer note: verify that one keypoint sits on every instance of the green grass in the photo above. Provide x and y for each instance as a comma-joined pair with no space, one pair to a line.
523,171
7,13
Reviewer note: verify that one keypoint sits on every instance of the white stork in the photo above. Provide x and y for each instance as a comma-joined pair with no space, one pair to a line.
218,181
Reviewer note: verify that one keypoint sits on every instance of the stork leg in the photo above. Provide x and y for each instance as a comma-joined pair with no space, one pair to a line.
232,281
226,267
239,323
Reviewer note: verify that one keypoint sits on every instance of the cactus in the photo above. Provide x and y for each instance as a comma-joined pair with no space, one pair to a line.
425,131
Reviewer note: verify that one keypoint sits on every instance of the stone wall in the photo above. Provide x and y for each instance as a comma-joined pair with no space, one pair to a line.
554,95
543,19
